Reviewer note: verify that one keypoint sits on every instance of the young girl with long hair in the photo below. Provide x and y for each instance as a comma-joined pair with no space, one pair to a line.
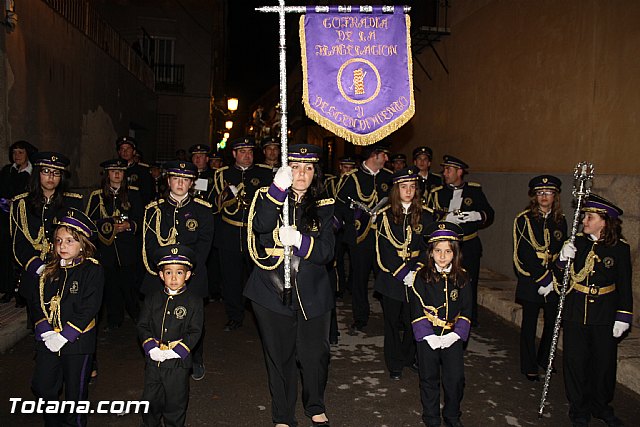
65,309
441,304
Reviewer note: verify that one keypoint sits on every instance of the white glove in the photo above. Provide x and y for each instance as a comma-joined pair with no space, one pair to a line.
447,340
433,341
452,217
374,218
157,355
619,328
289,236
55,342
234,190
545,290
283,178
170,354
409,278
568,251
470,216
45,335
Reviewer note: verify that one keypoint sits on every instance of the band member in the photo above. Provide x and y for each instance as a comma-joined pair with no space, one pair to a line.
427,180
441,306
538,234
137,173
398,244
203,186
234,187
597,312
33,214
293,323
216,161
117,210
463,203
65,308
398,162
159,180
171,324
179,219
367,185
271,150
14,179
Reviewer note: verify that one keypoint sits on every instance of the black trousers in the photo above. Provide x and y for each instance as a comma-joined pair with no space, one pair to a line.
214,273
363,257
198,351
121,292
530,359
167,390
399,345
344,279
291,343
589,356
435,365
236,267
52,372
471,254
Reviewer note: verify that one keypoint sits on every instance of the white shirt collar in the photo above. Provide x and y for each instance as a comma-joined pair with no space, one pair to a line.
369,171
28,169
447,269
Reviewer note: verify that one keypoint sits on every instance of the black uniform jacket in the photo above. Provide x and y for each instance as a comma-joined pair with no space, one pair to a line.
361,186
32,229
331,185
312,291
473,199
440,307
80,288
398,248
234,211
600,283
537,241
188,223
139,176
206,194
427,185
120,249
171,322
13,181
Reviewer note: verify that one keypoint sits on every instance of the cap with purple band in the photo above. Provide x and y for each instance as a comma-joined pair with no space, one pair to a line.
181,168
304,153
598,204
78,221
443,230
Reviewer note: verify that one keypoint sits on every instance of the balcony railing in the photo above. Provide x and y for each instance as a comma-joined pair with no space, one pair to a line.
169,77
88,21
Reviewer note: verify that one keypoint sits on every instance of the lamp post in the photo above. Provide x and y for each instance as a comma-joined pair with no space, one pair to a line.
215,111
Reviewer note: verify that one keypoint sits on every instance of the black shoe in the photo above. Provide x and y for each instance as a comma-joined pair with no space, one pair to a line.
395,375
533,377
356,327
613,421
232,325
198,372
456,423
580,423
414,367
6,298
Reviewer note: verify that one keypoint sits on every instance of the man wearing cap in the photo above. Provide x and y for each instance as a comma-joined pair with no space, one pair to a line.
598,310
271,150
179,219
159,181
398,162
14,179
234,188
367,185
538,234
203,186
216,161
427,180
463,203
137,173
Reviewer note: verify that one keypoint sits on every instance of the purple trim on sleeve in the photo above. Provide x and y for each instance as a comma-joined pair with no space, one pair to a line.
303,251
70,333
546,279
422,328
276,193
401,274
182,351
149,345
462,327
42,327
624,317
34,264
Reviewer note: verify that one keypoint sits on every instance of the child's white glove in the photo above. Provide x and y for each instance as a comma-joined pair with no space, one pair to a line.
55,342
170,354
157,355
409,279
568,251
433,341
545,290
619,328
447,340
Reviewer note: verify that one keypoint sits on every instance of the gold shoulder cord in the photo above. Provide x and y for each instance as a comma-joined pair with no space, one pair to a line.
426,308
586,270
169,240
371,198
251,238
531,241
53,315
402,246
40,243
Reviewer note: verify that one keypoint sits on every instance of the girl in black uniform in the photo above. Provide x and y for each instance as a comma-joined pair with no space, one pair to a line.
294,323
441,312
597,311
398,244
538,234
65,307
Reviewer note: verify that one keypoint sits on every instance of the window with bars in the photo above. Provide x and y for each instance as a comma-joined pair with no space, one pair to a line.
166,142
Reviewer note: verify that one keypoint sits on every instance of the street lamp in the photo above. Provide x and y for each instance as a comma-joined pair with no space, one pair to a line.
232,104
228,124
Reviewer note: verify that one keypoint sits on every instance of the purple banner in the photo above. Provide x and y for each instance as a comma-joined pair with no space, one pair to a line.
357,73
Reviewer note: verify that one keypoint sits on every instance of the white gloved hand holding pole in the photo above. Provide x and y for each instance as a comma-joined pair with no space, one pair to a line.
289,236
283,178
568,251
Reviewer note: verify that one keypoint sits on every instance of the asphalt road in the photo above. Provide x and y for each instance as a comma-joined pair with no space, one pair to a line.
360,393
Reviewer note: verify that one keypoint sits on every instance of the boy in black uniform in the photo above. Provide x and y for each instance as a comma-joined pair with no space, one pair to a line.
427,180
203,184
137,173
463,203
170,325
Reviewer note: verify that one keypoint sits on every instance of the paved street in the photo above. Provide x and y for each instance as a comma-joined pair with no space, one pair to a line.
360,393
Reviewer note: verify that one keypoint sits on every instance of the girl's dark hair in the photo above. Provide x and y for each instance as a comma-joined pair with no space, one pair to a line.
458,275
123,192
36,198
308,204
556,208
415,210
612,231
88,250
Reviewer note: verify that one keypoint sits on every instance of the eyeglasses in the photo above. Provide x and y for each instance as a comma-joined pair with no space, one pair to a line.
545,193
50,172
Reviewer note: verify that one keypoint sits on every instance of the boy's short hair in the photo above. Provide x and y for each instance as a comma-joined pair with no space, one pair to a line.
174,254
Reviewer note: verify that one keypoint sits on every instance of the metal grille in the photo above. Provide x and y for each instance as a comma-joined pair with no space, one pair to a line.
166,142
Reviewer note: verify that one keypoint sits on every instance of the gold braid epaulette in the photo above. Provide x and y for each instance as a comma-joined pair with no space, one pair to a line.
325,202
251,238
203,202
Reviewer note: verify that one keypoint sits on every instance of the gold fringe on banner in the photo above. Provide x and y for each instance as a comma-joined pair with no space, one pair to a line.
342,132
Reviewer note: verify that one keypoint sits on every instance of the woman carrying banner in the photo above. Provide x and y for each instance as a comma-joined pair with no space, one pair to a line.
295,330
